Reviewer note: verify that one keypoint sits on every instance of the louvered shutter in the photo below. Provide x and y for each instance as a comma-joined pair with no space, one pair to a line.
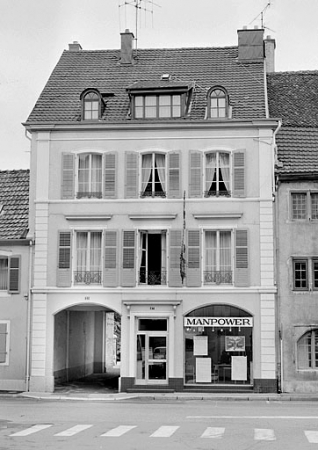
175,240
128,275
14,274
110,160
68,171
64,271
241,275
195,174
174,188
131,174
3,342
239,173
110,259
194,258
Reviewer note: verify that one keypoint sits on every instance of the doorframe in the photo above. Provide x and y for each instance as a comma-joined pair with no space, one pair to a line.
148,334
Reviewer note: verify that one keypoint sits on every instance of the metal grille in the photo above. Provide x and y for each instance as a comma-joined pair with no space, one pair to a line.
218,277
88,277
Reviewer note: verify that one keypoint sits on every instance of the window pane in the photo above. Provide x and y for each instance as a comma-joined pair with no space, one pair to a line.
299,206
300,275
139,109
95,251
3,274
81,251
314,206
315,274
150,106
164,106
225,251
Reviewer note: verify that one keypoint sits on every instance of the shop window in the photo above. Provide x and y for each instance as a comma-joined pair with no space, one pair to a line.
88,257
307,351
153,256
304,205
153,175
4,342
218,257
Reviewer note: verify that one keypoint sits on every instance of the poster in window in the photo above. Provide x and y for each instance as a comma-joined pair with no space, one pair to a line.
200,345
239,368
235,343
203,370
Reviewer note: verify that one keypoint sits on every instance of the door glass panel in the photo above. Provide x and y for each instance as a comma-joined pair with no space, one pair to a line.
157,370
141,353
152,325
157,347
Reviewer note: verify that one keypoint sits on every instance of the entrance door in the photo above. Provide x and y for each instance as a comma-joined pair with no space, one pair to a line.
151,358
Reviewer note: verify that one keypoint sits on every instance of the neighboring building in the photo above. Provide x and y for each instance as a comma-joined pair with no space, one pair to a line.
14,279
293,96
152,180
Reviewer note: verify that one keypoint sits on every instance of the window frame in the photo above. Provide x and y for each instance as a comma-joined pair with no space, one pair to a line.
89,194
13,274
312,350
301,261
218,272
7,342
218,193
85,101
311,273
308,214
164,189
88,279
218,108
157,96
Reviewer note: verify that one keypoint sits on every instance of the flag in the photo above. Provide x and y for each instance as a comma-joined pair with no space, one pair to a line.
183,248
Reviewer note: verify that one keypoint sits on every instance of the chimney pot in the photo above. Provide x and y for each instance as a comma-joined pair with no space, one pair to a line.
75,46
126,55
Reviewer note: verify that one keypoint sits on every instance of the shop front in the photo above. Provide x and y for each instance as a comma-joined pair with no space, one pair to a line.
218,342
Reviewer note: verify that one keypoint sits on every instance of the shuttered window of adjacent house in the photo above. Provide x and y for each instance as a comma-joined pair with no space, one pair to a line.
14,274
3,342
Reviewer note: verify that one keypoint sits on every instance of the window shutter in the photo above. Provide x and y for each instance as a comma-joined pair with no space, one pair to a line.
14,274
3,342
241,276
174,188
110,257
239,173
195,175
194,258
131,171
110,160
67,175
175,239
64,271
128,275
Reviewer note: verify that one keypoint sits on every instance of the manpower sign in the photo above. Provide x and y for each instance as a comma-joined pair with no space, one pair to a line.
218,321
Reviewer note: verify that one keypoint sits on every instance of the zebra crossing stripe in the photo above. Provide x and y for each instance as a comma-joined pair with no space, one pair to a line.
31,430
312,436
164,431
263,434
74,430
213,433
119,431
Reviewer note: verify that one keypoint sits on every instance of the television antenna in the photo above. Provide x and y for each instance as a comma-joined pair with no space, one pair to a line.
139,5
262,15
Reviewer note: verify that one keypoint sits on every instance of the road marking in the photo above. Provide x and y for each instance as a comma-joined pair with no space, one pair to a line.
312,436
164,431
255,417
213,433
263,434
74,430
119,431
31,430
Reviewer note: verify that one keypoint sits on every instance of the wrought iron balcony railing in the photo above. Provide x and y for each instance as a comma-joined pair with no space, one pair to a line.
89,194
218,277
153,277
161,194
88,277
217,194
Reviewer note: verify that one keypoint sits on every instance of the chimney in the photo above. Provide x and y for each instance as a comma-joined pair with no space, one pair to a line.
270,46
126,54
250,44
74,47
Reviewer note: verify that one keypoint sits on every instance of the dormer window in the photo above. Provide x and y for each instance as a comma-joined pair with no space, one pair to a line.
91,105
218,104
157,106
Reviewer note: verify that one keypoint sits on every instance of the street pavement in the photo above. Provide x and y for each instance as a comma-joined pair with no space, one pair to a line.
140,424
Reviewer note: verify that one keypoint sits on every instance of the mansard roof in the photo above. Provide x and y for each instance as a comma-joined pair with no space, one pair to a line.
101,69
14,204
293,97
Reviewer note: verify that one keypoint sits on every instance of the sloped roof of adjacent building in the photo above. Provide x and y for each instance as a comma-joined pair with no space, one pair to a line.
14,204
102,70
293,97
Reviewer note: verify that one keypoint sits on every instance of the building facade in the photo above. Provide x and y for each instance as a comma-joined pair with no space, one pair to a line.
152,180
14,280
293,96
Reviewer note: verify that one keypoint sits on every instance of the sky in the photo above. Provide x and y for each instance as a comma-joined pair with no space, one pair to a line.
34,33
